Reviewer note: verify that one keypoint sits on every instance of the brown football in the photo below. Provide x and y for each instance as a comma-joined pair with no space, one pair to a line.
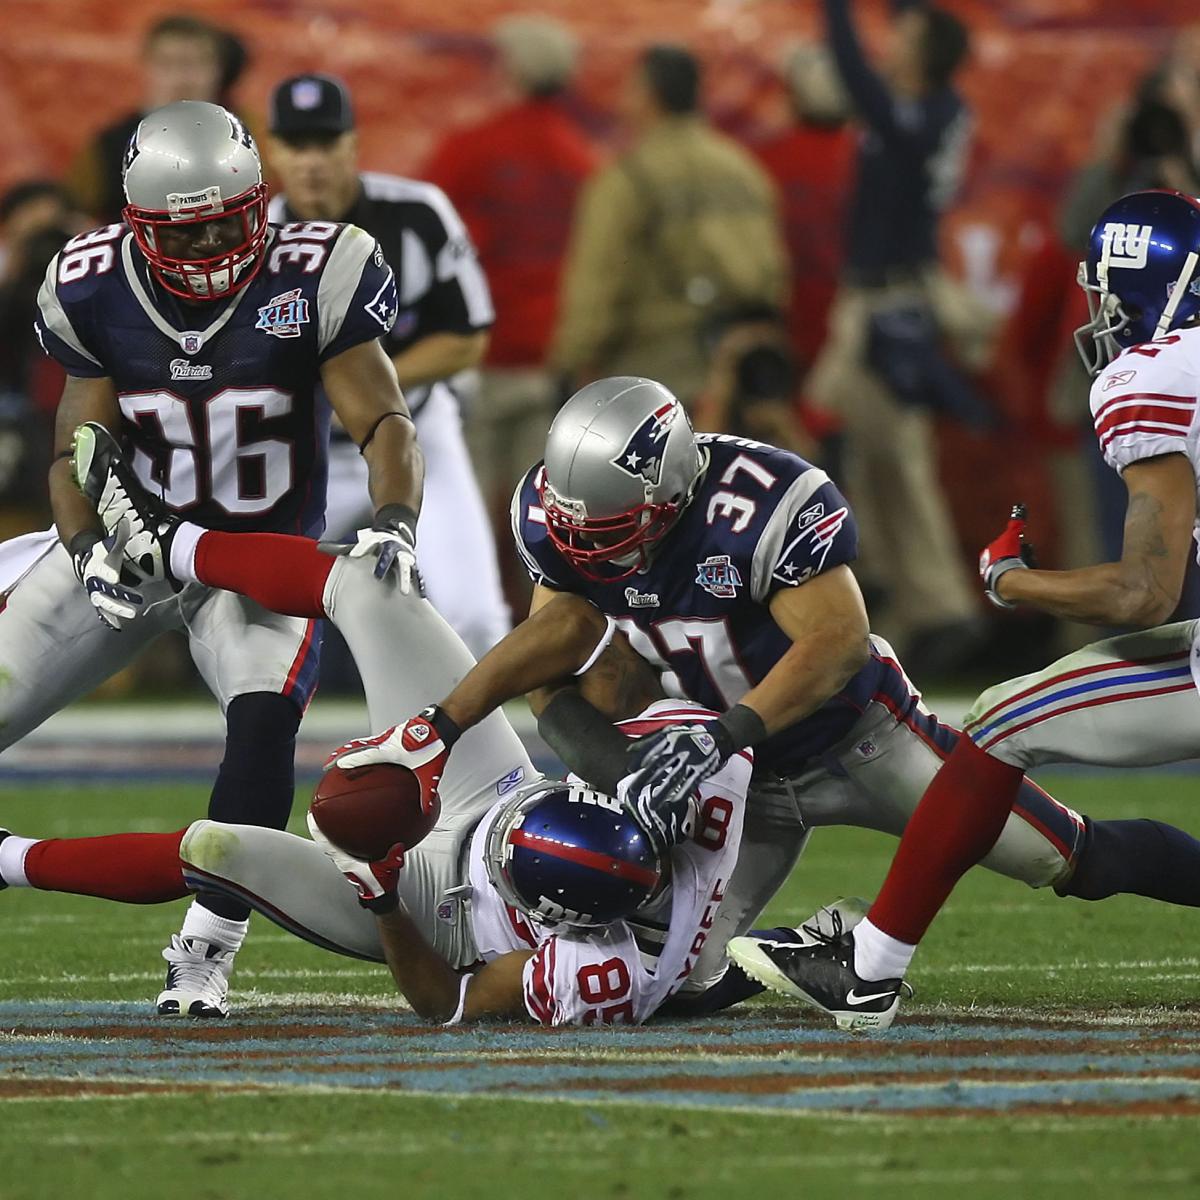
365,811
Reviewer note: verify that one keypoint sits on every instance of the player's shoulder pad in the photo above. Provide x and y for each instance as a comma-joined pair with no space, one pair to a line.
530,536
73,297
356,293
1147,396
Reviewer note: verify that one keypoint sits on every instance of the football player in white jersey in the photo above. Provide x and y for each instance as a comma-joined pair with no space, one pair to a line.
1126,701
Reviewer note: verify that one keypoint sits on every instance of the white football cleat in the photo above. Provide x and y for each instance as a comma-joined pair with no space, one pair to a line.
197,979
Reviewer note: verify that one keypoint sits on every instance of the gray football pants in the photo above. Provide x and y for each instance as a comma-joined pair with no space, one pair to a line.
408,657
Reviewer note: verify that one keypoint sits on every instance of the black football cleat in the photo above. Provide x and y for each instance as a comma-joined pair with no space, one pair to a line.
821,975
142,523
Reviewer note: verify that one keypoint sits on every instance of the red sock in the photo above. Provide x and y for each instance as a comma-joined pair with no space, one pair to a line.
283,573
955,825
137,868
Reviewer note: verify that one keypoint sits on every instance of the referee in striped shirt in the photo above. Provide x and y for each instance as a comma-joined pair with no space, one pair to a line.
441,329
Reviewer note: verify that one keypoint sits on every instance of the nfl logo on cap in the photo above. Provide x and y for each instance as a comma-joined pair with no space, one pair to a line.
306,94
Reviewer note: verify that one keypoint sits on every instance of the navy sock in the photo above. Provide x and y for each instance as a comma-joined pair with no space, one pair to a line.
257,778
1142,858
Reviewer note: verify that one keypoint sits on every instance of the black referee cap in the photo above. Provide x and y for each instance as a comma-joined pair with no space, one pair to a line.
306,104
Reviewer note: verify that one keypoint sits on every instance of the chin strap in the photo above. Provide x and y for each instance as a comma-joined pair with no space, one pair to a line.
1177,294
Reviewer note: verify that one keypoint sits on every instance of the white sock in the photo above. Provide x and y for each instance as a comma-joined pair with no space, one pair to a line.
183,551
877,955
208,927
12,859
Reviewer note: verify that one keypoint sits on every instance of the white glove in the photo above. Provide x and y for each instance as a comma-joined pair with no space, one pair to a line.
415,745
376,882
393,541
98,566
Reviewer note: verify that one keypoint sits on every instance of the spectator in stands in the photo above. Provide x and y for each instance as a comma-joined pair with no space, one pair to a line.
514,177
683,226
812,163
883,356
753,382
35,221
183,58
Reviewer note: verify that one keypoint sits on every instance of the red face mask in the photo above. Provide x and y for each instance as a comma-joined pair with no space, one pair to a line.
207,256
594,546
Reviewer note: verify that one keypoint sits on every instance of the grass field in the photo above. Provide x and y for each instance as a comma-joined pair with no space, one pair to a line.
1053,1048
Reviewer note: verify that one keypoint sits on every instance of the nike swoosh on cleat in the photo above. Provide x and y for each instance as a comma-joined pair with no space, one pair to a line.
852,997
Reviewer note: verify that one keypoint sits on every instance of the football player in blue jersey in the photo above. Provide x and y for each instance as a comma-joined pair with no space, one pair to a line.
199,333
726,563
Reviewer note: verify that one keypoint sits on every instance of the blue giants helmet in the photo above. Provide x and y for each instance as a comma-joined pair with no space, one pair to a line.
567,855
1140,274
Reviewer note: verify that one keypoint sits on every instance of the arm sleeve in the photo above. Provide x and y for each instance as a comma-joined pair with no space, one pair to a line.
58,334
606,222
1144,404
812,530
356,297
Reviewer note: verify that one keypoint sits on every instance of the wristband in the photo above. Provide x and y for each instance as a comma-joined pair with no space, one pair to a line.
1002,568
392,516
444,726
462,1003
737,728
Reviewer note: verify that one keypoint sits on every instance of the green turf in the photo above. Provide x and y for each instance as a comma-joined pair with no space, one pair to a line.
998,943
390,1148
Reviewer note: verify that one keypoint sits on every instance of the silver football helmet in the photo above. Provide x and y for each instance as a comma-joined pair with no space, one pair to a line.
197,203
621,465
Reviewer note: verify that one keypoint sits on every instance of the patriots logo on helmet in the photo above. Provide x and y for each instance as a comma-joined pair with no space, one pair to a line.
642,455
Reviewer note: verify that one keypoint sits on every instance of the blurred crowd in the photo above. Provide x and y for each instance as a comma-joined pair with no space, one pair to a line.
791,290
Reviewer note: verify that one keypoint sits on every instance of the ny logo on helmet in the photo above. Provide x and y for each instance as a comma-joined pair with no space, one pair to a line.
1127,245
642,455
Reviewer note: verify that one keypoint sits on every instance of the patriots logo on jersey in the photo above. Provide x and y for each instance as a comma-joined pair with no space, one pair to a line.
384,305
819,537
283,315
642,455
718,576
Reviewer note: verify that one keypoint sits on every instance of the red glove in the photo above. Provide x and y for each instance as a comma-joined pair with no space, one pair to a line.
375,882
1008,552
415,745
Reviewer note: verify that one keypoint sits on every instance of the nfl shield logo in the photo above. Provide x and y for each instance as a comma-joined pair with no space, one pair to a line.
191,342
306,94
719,577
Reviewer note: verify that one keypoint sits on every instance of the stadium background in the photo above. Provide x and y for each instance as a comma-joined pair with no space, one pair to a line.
1052,1049
416,72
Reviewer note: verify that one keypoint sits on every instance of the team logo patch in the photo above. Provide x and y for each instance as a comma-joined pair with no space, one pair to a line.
182,369
191,342
810,547
384,305
283,315
642,455
1118,379
636,599
719,577
510,781
1128,245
